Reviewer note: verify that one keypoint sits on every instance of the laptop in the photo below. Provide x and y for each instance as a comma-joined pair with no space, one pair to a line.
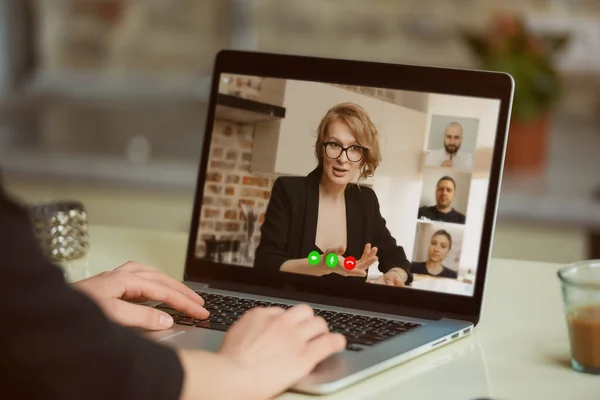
417,152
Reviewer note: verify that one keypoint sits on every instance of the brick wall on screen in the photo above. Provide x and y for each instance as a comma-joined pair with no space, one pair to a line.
229,182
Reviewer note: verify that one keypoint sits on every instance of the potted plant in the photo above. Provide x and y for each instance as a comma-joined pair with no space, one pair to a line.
510,47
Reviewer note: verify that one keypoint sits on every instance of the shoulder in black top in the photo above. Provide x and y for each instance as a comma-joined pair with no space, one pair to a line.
433,214
421,268
290,226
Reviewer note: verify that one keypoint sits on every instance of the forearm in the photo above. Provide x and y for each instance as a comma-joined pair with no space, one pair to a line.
301,266
212,376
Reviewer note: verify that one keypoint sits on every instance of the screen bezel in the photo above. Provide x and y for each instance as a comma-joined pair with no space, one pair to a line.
460,82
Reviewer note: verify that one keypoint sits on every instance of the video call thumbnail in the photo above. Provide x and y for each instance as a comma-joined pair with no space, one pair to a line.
348,183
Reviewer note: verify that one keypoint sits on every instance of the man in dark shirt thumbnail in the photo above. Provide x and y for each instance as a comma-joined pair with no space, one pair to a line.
443,211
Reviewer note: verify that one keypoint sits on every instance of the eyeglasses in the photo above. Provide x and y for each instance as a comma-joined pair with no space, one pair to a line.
354,153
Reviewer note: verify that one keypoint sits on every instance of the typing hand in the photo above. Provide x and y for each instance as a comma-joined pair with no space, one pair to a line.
272,348
133,282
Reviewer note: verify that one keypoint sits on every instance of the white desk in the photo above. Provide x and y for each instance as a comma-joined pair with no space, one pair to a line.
520,349
439,284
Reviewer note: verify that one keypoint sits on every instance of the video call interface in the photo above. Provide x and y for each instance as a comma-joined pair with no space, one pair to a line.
348,183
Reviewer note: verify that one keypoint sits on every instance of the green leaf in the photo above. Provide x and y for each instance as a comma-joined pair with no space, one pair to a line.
538,85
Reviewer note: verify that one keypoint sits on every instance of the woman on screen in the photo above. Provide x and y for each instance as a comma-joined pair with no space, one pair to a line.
326,212
439,247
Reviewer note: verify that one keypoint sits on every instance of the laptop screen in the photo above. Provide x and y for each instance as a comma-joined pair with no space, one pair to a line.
348,183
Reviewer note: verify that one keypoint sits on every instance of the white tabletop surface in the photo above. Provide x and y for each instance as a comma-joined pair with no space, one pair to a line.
519,350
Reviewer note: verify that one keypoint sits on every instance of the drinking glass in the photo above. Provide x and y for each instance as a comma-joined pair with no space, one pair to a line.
62,229
581,295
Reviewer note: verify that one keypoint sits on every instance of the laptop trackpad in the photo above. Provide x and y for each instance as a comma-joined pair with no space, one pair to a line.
193,338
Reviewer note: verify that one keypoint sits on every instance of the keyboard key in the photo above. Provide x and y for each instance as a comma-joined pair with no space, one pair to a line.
354,347
187,321
169,311
358,340
212,325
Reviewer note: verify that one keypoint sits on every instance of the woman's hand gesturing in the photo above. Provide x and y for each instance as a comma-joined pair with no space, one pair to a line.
368,257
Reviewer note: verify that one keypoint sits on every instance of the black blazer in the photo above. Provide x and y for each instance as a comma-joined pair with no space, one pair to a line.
290,226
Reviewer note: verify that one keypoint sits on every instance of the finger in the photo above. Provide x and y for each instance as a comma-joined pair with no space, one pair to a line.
134,266
298,313
175,284
314,327
369,260
380,280
263,312
367,250
324,346
364,264
154,274
374,251
138,286
136,315
356,272
398,282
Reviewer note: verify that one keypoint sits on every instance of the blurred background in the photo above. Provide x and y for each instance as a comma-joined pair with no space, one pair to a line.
104,101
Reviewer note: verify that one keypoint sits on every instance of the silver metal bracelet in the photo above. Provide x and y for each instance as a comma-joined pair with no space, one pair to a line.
403,277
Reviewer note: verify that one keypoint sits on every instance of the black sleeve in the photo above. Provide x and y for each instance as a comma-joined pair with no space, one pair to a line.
461,218
421,210
55,343
390,254
272,250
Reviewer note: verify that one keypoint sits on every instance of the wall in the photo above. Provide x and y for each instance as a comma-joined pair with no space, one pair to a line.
130,36
398,180
124,207
409,31
230,183
123,35
414,100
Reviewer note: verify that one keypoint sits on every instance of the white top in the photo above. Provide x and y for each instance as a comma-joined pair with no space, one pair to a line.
520,349
435,158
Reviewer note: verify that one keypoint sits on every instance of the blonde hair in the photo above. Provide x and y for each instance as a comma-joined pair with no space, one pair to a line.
359,123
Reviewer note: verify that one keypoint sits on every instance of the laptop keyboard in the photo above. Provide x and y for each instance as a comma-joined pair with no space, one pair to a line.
359,330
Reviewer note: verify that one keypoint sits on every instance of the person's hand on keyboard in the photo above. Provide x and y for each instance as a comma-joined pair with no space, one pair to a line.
274,348
114,291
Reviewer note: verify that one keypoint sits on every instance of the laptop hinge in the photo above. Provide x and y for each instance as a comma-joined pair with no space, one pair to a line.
462,317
